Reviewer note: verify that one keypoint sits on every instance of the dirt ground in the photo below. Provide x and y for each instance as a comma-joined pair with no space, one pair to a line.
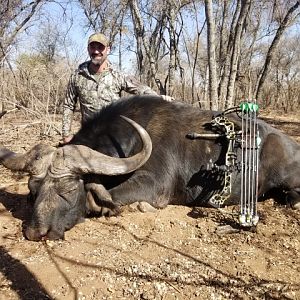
174,253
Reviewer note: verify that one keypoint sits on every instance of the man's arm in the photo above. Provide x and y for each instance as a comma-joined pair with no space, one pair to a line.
133,86
68,109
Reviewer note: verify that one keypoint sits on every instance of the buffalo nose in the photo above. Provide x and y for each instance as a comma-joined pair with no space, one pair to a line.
34,234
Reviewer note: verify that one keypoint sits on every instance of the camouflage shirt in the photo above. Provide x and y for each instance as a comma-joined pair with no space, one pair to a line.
95,91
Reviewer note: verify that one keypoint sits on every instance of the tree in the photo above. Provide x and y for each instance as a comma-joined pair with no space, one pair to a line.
283,25
49,41
107,16
216,61
14,17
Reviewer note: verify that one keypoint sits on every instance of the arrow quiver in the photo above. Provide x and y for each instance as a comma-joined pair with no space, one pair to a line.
248,140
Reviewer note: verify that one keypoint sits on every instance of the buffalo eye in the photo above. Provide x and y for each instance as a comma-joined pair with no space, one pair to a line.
37,157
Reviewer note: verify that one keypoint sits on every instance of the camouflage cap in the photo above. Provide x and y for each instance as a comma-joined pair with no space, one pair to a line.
99,38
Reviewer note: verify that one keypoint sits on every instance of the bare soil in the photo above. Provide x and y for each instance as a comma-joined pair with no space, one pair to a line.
174,253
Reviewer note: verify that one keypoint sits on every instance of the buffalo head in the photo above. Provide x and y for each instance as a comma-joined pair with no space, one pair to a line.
56,185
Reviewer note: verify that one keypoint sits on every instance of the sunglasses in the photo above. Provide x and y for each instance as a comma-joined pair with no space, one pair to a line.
96,46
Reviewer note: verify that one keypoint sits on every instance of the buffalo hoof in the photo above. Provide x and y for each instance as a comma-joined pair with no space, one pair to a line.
108,212
104,212
296,205
142,207
293,197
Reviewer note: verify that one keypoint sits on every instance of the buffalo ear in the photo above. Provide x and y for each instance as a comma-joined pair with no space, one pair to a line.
35,161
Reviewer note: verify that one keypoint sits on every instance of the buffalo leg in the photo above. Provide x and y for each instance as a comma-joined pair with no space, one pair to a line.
143,186
98,191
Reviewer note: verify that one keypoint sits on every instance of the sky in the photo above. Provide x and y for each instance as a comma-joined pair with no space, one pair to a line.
72,21
69,19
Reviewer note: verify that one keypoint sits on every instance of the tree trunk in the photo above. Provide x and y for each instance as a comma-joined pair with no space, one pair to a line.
193,64
172,61
213,86
236,52
139,28
225,67
222,50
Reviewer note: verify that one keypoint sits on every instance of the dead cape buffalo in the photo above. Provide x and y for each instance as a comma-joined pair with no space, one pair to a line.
109,163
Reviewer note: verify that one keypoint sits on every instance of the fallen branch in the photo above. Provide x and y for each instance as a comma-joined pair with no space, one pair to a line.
21,126
2,114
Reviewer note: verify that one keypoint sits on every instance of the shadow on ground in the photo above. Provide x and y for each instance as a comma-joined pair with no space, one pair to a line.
23,282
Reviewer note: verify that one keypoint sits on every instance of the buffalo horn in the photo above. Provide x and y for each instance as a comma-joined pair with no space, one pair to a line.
83,160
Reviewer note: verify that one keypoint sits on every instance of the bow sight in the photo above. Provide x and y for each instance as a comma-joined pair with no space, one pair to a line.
248,140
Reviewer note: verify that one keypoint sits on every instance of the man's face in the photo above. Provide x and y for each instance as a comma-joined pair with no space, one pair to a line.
98,53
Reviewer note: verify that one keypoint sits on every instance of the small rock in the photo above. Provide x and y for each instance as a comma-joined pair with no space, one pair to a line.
226,229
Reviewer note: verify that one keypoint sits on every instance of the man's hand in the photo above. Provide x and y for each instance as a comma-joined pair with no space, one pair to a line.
66,140
167,98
